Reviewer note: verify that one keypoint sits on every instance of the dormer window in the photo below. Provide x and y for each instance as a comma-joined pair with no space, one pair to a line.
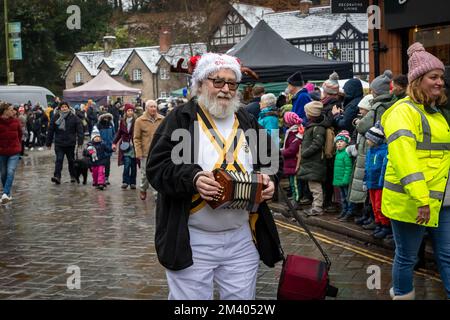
137,75
164,74
78,77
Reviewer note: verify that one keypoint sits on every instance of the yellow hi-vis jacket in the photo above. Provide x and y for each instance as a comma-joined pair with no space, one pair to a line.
418,161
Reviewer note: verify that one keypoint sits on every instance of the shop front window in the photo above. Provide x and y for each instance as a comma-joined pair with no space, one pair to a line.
436,40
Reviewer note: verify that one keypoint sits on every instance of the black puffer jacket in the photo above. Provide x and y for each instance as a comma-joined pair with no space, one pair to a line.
66,138
313,161
353,94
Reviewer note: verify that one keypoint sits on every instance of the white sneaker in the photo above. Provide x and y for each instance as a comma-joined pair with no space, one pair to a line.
5,199
391,293
40,149
31,149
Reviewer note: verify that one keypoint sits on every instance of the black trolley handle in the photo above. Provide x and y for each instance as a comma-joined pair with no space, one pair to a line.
297,216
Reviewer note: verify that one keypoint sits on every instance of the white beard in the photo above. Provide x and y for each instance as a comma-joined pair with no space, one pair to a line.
219,109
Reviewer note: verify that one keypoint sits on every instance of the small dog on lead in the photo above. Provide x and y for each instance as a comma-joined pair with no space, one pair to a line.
81,167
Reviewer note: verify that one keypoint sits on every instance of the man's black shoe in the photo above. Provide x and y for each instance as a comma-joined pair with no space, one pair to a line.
56,180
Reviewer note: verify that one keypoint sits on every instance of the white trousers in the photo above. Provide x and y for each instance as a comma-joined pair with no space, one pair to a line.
229,259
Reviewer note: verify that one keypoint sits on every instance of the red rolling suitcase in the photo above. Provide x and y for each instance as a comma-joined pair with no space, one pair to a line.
304,278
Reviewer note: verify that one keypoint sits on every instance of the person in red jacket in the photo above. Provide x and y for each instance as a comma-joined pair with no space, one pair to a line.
10,148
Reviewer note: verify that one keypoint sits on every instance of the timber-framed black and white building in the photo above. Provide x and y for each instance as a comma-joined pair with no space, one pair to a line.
342,37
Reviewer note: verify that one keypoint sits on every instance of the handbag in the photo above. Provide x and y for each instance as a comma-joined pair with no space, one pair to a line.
125,146
304,278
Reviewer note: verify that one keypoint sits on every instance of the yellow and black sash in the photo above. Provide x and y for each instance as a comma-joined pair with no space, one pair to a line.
228,149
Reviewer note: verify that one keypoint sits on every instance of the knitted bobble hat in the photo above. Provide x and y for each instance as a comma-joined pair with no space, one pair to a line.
344,135
331,86
382,84
421,62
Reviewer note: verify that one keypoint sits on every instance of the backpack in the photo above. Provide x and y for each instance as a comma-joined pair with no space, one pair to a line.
379,108
330,147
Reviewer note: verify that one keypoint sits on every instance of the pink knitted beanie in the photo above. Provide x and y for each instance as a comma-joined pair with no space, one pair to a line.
291,118
421,62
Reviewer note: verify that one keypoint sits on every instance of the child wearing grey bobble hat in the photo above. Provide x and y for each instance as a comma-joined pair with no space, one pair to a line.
376,161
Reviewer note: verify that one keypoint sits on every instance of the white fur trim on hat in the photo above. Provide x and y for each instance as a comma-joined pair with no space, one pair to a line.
213,62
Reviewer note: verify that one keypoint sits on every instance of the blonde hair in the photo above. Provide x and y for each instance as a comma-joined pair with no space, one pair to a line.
419,96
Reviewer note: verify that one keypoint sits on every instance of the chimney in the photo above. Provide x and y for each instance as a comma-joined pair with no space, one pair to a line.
109,42
305,5
164,39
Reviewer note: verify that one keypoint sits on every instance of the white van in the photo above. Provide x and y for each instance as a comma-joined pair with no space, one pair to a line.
17,95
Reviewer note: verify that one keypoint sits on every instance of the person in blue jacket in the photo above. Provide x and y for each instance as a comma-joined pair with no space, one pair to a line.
300,95
374,177
268,117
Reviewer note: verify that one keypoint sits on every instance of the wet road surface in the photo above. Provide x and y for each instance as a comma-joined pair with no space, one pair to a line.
109,236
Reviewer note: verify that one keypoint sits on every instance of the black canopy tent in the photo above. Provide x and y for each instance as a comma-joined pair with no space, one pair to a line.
275,59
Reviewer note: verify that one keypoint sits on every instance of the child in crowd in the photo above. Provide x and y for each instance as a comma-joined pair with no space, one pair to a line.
290,151
312,164
343,166
98,153
376,160
107,131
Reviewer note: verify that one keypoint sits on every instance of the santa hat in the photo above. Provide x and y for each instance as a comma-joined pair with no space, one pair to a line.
213,62
193,62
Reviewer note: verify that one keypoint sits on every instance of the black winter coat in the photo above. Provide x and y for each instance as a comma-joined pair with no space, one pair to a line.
328,104
68,138
254,107
92,115
174,182
114,110
313,161
353,94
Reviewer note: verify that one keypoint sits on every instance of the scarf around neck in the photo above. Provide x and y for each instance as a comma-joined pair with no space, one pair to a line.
61,122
